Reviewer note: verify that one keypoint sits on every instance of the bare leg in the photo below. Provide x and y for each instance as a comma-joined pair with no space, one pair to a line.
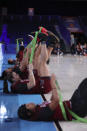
25,60
43,69
49,49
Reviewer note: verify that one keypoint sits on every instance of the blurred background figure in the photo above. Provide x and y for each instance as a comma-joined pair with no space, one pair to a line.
72,44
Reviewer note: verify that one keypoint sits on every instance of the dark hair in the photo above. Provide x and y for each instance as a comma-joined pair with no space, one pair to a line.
18,71
24,113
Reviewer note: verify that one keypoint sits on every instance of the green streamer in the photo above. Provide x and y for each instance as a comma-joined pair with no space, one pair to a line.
30,45
33,48
33,45
61,103
78,119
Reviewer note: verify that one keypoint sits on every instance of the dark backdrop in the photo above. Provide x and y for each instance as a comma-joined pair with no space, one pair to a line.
46,7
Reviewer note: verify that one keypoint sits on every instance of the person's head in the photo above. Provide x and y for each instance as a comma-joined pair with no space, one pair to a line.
26,111
72,36
16,74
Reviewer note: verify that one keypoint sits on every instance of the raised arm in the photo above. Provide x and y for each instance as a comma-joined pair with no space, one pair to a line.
31,78
25,59
44,53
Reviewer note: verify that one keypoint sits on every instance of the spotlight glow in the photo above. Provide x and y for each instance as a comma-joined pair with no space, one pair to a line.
1,58
3,112
1,54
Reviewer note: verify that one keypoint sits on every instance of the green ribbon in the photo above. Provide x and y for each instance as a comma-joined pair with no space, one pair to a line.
33,47
61,103
78,119
32,44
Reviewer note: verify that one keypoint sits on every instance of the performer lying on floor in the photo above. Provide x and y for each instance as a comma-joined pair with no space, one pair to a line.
21,63
50,110
41,72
